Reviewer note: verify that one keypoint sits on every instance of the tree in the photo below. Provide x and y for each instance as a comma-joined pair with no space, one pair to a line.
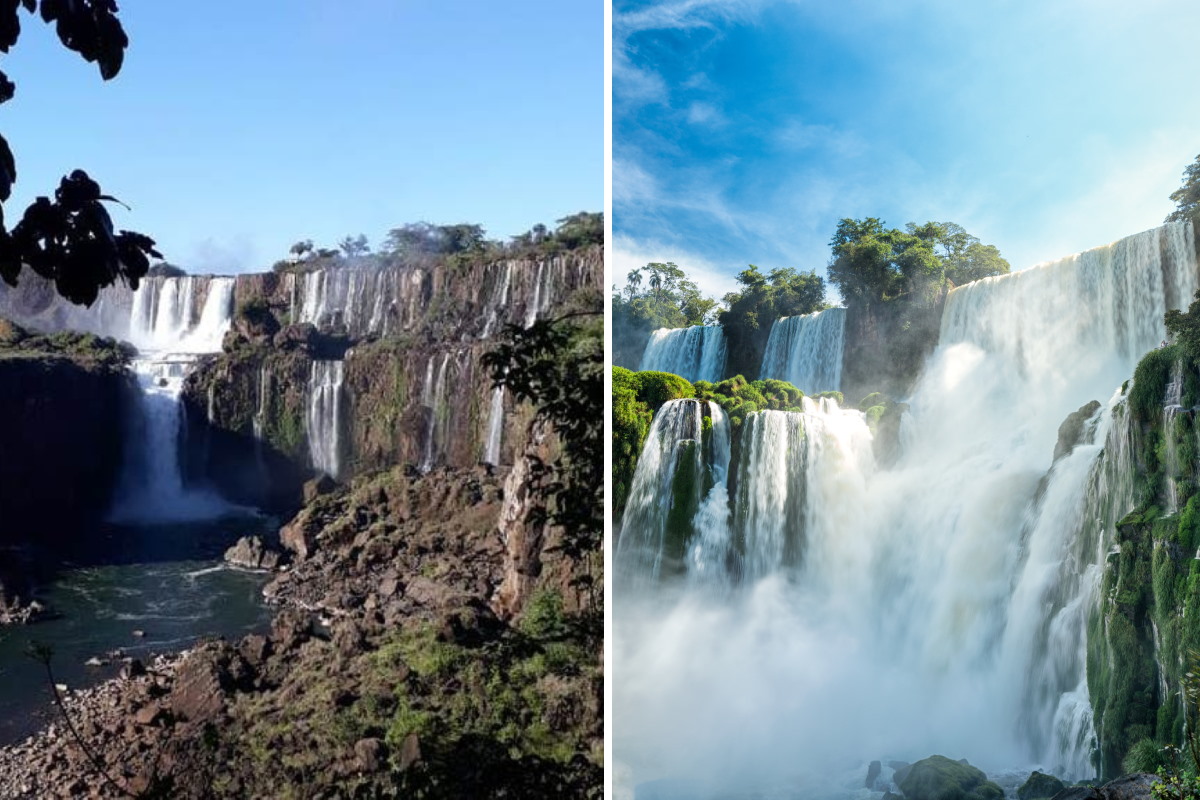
658,295
70,240
751,312
581,229
355,246
1187,196
301,250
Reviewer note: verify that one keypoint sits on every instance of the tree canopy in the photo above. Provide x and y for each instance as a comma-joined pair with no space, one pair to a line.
69,239
750,313
873,264
1187,196
661,296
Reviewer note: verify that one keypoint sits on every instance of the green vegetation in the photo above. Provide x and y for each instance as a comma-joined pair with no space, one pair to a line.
939,778
655,296
87,348
750,313
636,397
1141,636
456,246
893,283
1187,196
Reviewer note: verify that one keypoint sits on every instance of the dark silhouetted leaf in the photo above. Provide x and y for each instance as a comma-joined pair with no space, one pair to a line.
8,170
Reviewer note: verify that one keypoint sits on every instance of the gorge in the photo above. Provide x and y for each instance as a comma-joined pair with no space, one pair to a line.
994,566
351,401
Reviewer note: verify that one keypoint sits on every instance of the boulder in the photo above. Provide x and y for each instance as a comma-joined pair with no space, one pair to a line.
251,553
1071,432
873,771
939,778
299,536
1038,785
321,485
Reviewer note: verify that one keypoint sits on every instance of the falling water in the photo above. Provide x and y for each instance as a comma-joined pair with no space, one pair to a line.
1170,416
164,327
806,351
325,416
433,399
491,453
939,605
499,300
696,353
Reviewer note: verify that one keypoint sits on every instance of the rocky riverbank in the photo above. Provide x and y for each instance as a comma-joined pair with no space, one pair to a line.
392,667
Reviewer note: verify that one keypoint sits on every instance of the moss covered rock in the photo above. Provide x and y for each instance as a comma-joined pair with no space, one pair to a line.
1039,785
939,778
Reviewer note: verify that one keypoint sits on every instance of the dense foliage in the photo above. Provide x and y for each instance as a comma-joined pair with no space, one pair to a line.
750,313
636,396
1187,196
658,295
428,245
558,366
893,283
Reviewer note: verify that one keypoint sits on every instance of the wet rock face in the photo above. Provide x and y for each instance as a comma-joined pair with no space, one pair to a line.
413,388
62,427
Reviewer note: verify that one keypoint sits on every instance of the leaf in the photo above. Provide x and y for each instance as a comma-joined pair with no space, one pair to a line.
10,24
8,170
7,88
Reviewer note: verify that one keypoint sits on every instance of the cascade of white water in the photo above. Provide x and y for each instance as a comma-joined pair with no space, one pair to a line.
673,441
259,420
1170,414
433,398
696,353
499,300
535,306
806,351
940,604
164,328
710,549
491,452
325,416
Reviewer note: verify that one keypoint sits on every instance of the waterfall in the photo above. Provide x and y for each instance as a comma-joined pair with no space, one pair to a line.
1170,415
164,326
806,351
939,605
325,416
696,353
499,300
677,517
433,399
491,452
259,421
535,306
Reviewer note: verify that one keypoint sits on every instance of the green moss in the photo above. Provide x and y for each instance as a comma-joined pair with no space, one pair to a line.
685,499
1150,380
939,778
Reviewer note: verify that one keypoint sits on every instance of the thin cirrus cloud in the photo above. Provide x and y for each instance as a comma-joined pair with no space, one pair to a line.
744,130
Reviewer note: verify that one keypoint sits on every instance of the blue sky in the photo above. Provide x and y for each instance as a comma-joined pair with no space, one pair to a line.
237,128
744,129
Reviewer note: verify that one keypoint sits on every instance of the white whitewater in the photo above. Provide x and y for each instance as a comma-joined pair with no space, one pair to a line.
696,353
169,335
433,399
491,451
325,423
806,351
938,606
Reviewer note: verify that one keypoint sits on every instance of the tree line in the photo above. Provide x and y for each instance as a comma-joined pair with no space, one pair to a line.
889,274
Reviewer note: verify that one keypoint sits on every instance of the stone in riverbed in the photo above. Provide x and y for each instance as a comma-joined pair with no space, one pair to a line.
251,553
